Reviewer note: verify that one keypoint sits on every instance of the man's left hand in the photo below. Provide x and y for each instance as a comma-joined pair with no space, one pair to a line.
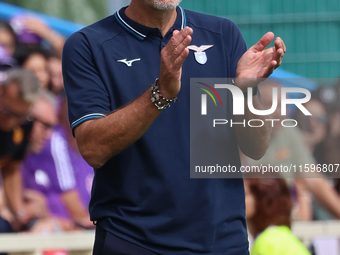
258,62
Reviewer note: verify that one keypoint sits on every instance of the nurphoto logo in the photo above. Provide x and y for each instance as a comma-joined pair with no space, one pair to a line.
238,105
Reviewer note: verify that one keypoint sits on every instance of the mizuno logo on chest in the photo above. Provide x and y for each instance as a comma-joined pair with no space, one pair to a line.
128,62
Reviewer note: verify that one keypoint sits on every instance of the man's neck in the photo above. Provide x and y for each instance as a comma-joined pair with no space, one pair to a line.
151,17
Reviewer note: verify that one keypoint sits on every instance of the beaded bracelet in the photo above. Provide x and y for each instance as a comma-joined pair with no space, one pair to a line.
156,96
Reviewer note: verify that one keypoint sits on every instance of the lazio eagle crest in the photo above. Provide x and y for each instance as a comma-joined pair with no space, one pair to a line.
200,55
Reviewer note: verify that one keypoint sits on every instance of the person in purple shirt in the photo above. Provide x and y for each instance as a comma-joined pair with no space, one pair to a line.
51,169
51,173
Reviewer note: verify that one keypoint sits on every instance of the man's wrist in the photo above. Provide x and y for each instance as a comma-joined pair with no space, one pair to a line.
158,99
247,83
240,83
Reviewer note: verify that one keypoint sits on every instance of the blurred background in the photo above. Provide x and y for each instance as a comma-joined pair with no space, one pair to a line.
54,218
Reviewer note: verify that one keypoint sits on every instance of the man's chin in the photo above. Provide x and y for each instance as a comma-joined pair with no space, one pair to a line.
160,5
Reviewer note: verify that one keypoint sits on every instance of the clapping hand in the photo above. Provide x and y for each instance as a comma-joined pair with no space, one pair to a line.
258,62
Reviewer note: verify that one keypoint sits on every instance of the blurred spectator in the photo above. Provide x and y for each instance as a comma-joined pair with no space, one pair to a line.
287,148
24,36
17,93
31,30
52,169
7,37
268,214
317,134
38,27
45,118
35,59
68,202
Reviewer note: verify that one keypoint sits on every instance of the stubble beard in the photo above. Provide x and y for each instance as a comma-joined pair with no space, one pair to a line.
164,5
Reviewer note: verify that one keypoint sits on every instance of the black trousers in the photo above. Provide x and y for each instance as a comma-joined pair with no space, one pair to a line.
108,244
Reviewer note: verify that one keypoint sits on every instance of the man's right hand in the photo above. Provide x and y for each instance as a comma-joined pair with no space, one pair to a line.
172,59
